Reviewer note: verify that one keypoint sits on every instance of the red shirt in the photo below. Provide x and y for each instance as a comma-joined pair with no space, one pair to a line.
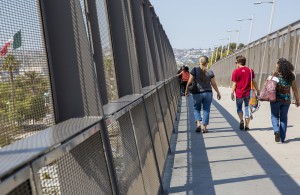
242,77
185,76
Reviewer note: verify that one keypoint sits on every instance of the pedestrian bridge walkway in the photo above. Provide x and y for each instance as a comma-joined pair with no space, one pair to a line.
229,161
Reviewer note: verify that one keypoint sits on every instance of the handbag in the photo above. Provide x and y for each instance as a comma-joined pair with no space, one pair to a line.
253,102
193,88
268,93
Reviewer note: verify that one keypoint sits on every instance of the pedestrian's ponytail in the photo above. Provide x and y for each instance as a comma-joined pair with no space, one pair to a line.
203,60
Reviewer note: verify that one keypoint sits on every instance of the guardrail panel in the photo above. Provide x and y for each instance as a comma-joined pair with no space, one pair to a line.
82,170
166,111
126,163
170,100
145,149
161,125
154,129
23,189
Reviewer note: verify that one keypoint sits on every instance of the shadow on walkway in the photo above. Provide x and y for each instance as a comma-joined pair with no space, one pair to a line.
191,166
282,181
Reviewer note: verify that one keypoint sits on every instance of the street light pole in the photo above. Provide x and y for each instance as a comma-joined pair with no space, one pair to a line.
238,37
272,12
228,46
251,26
216,54
212,55
222,47
238,40
269,31
272,16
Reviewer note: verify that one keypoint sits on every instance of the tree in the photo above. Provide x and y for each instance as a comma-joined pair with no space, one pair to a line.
33,80
111,85
232,49
11,64
241,46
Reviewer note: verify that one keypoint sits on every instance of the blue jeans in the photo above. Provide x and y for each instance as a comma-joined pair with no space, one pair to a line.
279,112
239,105
202,100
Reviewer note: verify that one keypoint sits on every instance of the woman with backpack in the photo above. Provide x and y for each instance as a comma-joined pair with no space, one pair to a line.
279,109
205,80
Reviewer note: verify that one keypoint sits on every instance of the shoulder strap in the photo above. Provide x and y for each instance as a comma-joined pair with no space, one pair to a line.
194,72
251,74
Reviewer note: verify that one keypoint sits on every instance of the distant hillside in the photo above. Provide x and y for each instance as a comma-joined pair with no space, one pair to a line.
189,57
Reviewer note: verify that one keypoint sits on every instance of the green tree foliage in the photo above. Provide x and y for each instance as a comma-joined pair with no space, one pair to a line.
29,104
33,80
111,85
11,64
217,52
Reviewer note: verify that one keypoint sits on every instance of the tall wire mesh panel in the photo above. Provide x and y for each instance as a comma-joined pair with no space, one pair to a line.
109,66
161,125
82,170
83,8
145,149
125,156
131,47
89,87
157,142
166,111
25,92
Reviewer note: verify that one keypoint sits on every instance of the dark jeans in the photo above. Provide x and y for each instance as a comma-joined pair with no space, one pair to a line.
183,86
279,116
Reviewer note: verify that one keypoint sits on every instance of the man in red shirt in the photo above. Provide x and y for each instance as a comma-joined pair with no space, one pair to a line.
241,78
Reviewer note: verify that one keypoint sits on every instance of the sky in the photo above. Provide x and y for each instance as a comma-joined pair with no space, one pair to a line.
21,15
202,23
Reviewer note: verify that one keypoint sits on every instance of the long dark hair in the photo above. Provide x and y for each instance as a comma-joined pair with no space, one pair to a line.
285,69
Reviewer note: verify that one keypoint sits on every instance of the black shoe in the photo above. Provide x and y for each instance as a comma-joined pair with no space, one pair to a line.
247,128
198,130
242,125
277,137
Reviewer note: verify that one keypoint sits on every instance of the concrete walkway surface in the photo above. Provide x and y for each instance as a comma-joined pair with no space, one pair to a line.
230,161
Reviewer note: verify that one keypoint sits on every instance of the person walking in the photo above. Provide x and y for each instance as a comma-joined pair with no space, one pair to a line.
205,80
184,74
241,78
280,108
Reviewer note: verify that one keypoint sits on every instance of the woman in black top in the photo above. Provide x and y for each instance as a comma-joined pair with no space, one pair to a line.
203,97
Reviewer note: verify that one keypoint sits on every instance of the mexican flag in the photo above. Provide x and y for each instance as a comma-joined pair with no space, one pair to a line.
13,43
